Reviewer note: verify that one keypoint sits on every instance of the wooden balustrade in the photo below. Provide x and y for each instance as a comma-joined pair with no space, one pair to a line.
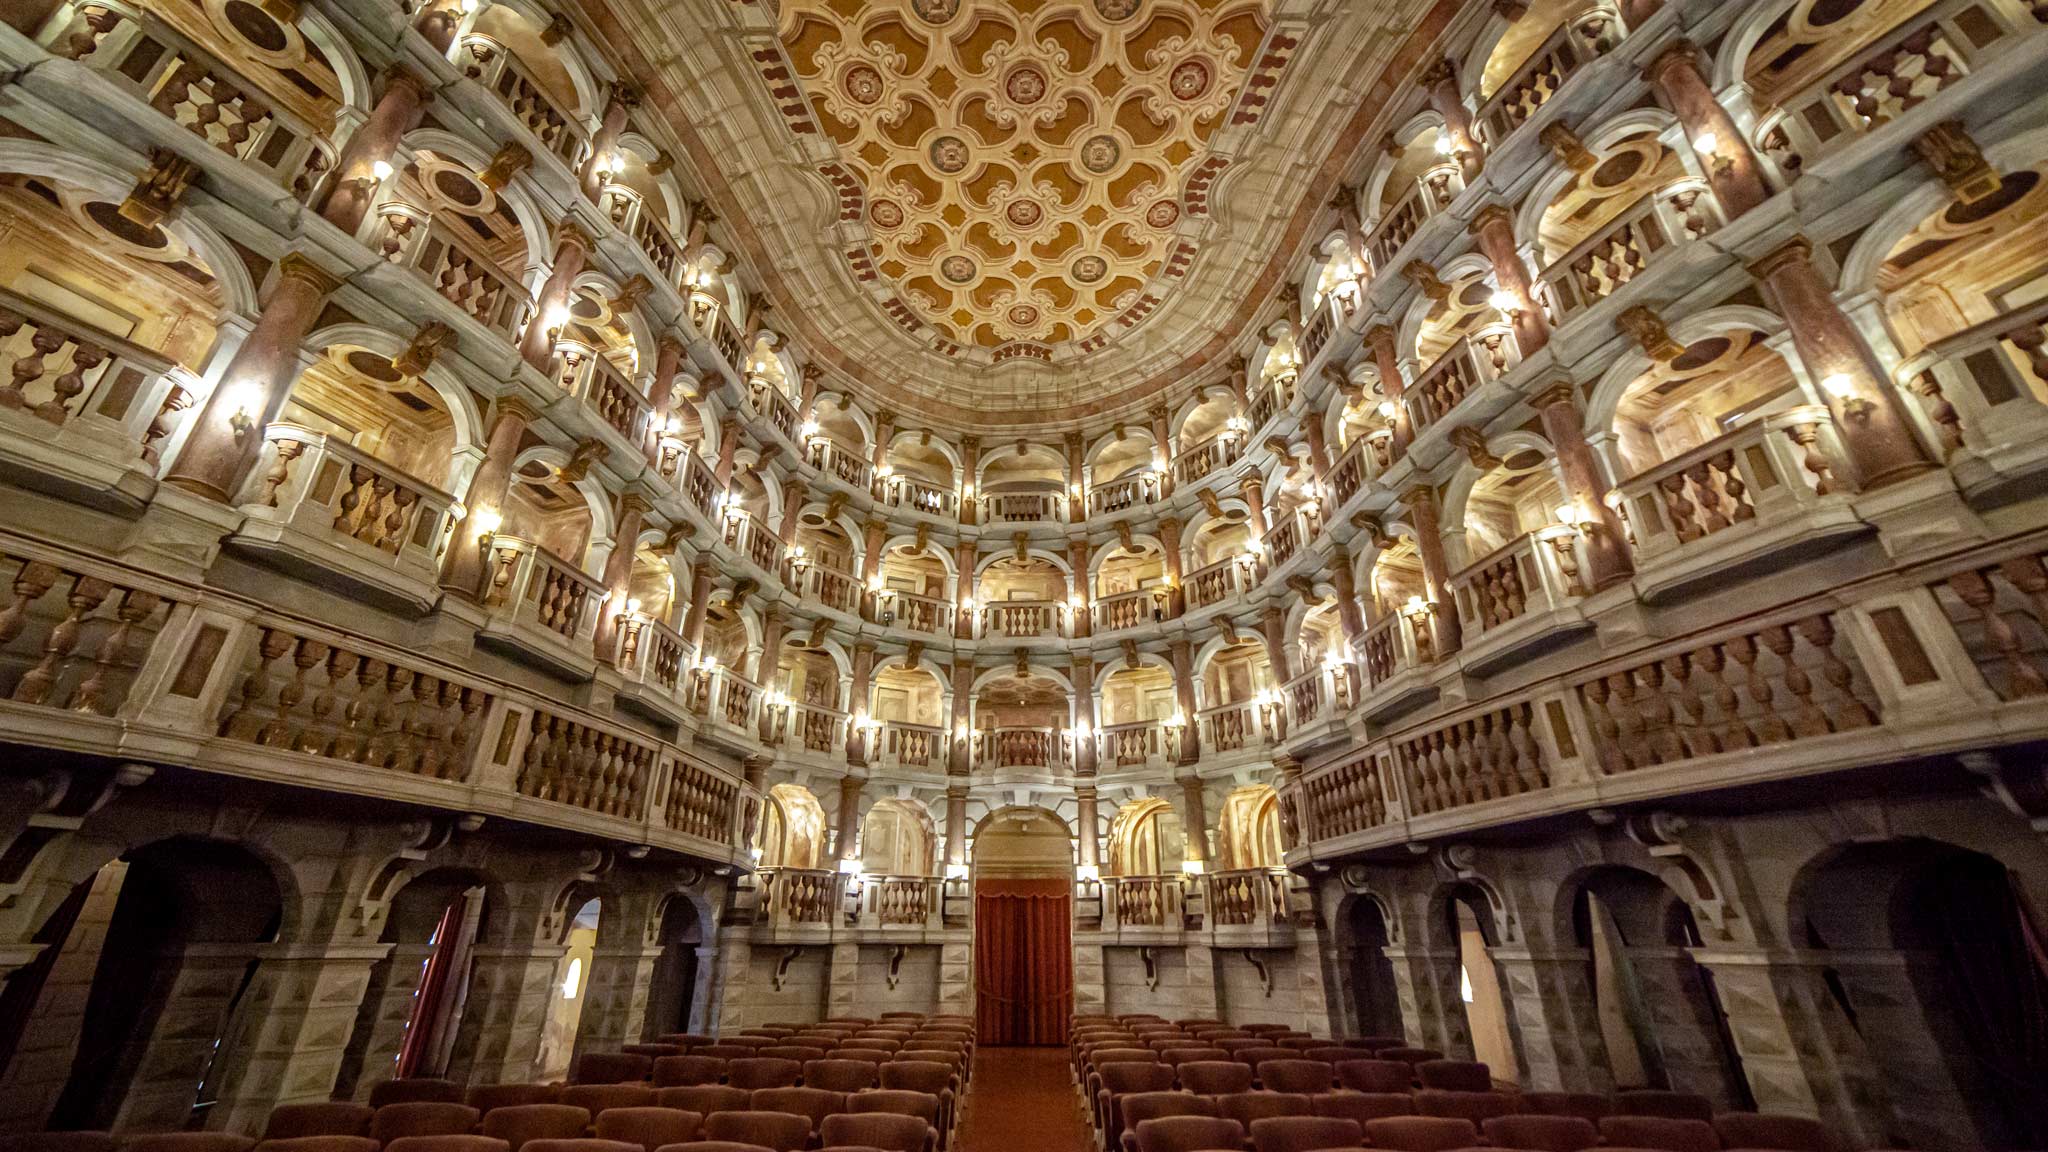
194,89
1023,619
462,275
815,728
1366,458
1022,748
1215,583
801,895
1535,573
1625,247
628,213
735,697
1141,743
902,901
1242,897
1284,538
1772,684
491,64
1350,797
1145,901
1936,49
1233,727
1130,609
918,496
700,485
1486,755
591,377
1123,495
1263,404
1394,645
837,590
700,803
651,652
1577,42
917,613
1762,472
1984,387
91,393
843,464
331,491
80,650
1315,334
771,404
542,591
2000,612
746,536
1021,508
1474,360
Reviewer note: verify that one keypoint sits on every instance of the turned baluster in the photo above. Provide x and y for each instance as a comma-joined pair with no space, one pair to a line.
1703,475
1741,509
351,498
1940,412
1808,719
29,367
91,693
315,737
291,694
84,358
1848,710
1656,713
362,711
1695,737
86,594
1678,509
1975,589
1635,747
393,749
2031,339
241,722
1528,753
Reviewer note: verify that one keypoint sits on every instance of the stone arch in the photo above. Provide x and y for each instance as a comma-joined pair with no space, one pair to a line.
534,228
1555,177
1408,333
570,54
445,376
1607,394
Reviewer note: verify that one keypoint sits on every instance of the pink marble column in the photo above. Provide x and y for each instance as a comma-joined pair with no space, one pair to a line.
1273,630
847,827
774,631
728,446
668,360
572,249
807,395
1083,669
1162,440
961,756
885,431
1254,488
874,535
964,589
1194,818
618,572
1318,449
438,24
1081,593
1350,614
227,431
463,570
700,604
1732,168
970,467
956,825
1608,561
1441,84
1182,654
1169,543
1077,468
1494,229
1436,570
793,495
1386,358
1634,12
1088,825
618,107
1870,421
354,183
857,750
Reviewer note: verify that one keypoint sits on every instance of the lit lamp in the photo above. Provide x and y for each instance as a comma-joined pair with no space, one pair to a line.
799,561
1387,410
244,397
1191,869
1841,387
1506,303
1088,873
556,319
380,171
485,523
1445,146
1707,146
1418,610
956,871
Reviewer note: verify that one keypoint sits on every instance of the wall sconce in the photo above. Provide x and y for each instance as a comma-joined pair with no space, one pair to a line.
1088,873
614,166
809,431
799,563
1418,610
486,522
380,171
1191,869
1506,303
1387,410
1445,146
1707,146
1842,388
956,871
1176,721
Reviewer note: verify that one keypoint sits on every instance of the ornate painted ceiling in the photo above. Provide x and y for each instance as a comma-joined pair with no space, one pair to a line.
1022,213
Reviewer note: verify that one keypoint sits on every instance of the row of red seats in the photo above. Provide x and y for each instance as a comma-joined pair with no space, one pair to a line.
1208,1133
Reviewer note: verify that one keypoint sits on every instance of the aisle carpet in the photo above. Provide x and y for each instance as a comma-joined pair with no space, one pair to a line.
1022,1100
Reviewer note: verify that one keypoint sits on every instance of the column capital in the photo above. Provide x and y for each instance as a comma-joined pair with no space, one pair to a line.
632,504
1420,496
1443,71
1490,216
1553,394
569,234
514,408
295,266
1679,53
1792,251
400,76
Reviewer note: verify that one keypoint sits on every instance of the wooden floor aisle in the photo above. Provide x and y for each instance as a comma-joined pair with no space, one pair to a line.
1022,1100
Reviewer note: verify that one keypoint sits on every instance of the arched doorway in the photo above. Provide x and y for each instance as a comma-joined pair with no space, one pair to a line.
1489,1018
1023,928
413,1004
1375,996
672,991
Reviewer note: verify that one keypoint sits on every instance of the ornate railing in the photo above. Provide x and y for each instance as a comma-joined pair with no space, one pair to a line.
1431,193
491,64
591,377
746,536
800,895
1144,901
1762,472
918,496
91,394
1215,583
834,589
1021,508
541,592
462,275
1475,359
901,901
1242,897
1980,386
570,761
1533,574
1486,754
906,745
1193,464
1579,40
1351,797
628,213
841,463
1129,609
1023,619
1021,748
926,614
329,490
1133,745
1628,245
1123,495
1367,458
1235,727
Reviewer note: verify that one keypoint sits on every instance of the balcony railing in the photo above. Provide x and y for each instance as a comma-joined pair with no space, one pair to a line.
700,484
1265,401
1143,901
804,727
1124,494
82,396
1487,354
1318,695
748,537
1366,459
491,64
408,237
1395,645
194,89
628,213
900,901
1284,537
1928,54
1628,245
1246,897
1981,388
798,896
1021,748
1022,508
1215,583
1144,743
1129,609
591,377
843,464
1240,726
540,596
906,745
771,405
1534,574
1023,620
1352,797
1194,464
384,523
655,655
1763,474
837,590
1431,193
918,496
925,614
1579,40
1485,754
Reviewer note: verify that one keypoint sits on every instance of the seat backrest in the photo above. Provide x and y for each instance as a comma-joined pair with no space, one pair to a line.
723,1051
610,1068
1668,1133
319,1144
680,1071
1263,1029
650,1128
1473,1106
595,1098
459,1143
522,1122
1142,1106
888,1131
918,1076
840,1075
1455,1075
1775,1130
1375,1043
1178,1056
763,1072
1118,1079
1258,1056
1189,1134
1410,1055
1330,1054
1362,1106
1671,1105
1215,1077
812,1103
58,1142
1421,1133
745,1041
653,1051
781,1131
1305,1133
484,1097
1297,1075
923,1105
1245,1107
1376,1075
579,1144
1587,1105
415,1091
422,1118
717,1146
801,1053
324,1118
704,1099
855,1052
1542,1133
691,1041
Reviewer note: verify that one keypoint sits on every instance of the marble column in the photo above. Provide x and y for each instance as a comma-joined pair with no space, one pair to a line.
1088,824
1440,83
1162,440
619,105
728,448
964,556
774,632
1350,617
618,574
1318,450
465,568
885,431
668,360
970,471
1077,468
551,307
1183,657
1194,818
1169,544
227,431
956,824
1870,420
846,826
961,749
1608,561
1273,630
1080,594
1731,165
354,183
1085,750
1254,488
1436,570
1386,358
857,751
794,493
699,604
1494,230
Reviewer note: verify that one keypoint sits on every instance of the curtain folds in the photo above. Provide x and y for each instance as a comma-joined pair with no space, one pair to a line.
1024,960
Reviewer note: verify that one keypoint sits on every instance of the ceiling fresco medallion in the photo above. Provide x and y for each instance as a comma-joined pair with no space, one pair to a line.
1026,166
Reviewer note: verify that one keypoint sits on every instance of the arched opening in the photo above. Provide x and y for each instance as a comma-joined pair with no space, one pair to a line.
727,642
1023,928
1422,181
1146,839
571,987
910,704
792,831
1024,484
1221,559
1375,996
549,513
172,945
1022,597
515,60
454,228
1211,436
1135,712
1952,1021
897,839
1236,684
1488,1018
413,1003
1248,832
1126,471
672,991
1660,1020
918,474
823,553
1021,720
915,590
1131,586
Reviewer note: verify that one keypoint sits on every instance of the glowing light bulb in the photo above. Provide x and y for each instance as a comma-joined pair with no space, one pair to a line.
380,171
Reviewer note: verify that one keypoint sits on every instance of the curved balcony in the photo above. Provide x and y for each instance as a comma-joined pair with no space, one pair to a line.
1577,42
1430,195
1521,597
841,463
628,213
1025,747
1628,246
1475,360
900,744
1130,609
1142,907
1143,744
493,65
465,277
540,606
1024,620
593,379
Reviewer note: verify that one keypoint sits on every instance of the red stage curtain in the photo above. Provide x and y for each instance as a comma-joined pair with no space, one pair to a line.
1024,960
